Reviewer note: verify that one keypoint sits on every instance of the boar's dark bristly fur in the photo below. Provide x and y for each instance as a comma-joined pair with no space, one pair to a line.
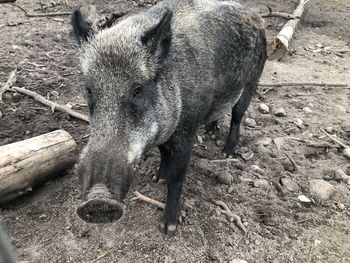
153,78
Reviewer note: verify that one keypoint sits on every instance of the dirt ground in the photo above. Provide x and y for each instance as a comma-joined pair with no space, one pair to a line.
44,227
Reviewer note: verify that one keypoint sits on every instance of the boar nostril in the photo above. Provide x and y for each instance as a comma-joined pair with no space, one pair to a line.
100,211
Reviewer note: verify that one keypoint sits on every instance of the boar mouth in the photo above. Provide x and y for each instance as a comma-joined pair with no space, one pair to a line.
100,207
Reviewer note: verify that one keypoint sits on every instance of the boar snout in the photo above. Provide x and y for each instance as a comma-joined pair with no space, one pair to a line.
100,207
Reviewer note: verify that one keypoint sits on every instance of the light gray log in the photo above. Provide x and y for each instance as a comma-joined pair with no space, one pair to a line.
30,162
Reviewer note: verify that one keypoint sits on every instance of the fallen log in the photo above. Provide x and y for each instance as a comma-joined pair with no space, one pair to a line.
7,1
30,162
279,45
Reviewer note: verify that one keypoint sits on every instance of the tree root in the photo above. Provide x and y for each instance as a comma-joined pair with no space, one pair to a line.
232,217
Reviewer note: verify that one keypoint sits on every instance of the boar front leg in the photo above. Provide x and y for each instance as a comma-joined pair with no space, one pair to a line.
179,148
165,157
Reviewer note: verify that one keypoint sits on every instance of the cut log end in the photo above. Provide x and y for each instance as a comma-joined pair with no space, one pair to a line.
30,162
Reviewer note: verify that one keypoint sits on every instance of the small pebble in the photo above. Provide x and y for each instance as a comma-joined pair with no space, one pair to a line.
321,189
265,141
281,112
27,132
200,184
250,122
290,185
305,201
261,149
329,129
298,122
230,189
200,139
307,110
261,183
288,166
224,177
43,216
257,169
0,114
219,143
340,109
340,175
341,206
263,108
247,156
346,152
279,141
55,93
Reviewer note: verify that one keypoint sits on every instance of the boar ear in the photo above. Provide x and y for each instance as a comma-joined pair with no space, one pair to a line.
157,39
81,29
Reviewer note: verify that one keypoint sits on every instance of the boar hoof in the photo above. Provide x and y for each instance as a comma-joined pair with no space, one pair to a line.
159,178
228,152
100,211
167,229
228,155
212,128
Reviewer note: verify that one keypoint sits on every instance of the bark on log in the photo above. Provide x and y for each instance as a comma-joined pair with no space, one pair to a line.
279,45
30,162
7,1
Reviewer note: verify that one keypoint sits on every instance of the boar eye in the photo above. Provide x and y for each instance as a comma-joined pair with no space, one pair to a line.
137,90
88,91
90,99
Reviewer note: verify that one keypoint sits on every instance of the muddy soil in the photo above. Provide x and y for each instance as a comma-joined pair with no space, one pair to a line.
43,225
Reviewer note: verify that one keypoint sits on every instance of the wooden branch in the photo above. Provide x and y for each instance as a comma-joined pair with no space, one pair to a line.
280,44
291,159
10,81
43,14
146,199
278,14
335,139
227,160
233,218
319,84
51,104
314,144
27,163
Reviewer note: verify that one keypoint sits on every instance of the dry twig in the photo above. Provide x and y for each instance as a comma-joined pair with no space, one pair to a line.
43,14
319,84
314,144
278,14
232,217
335,139
105,254
10,81
291,159
146,199
225,160
51,104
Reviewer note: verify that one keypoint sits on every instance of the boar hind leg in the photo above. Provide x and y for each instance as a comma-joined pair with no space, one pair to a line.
181,147
165,157
237,114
